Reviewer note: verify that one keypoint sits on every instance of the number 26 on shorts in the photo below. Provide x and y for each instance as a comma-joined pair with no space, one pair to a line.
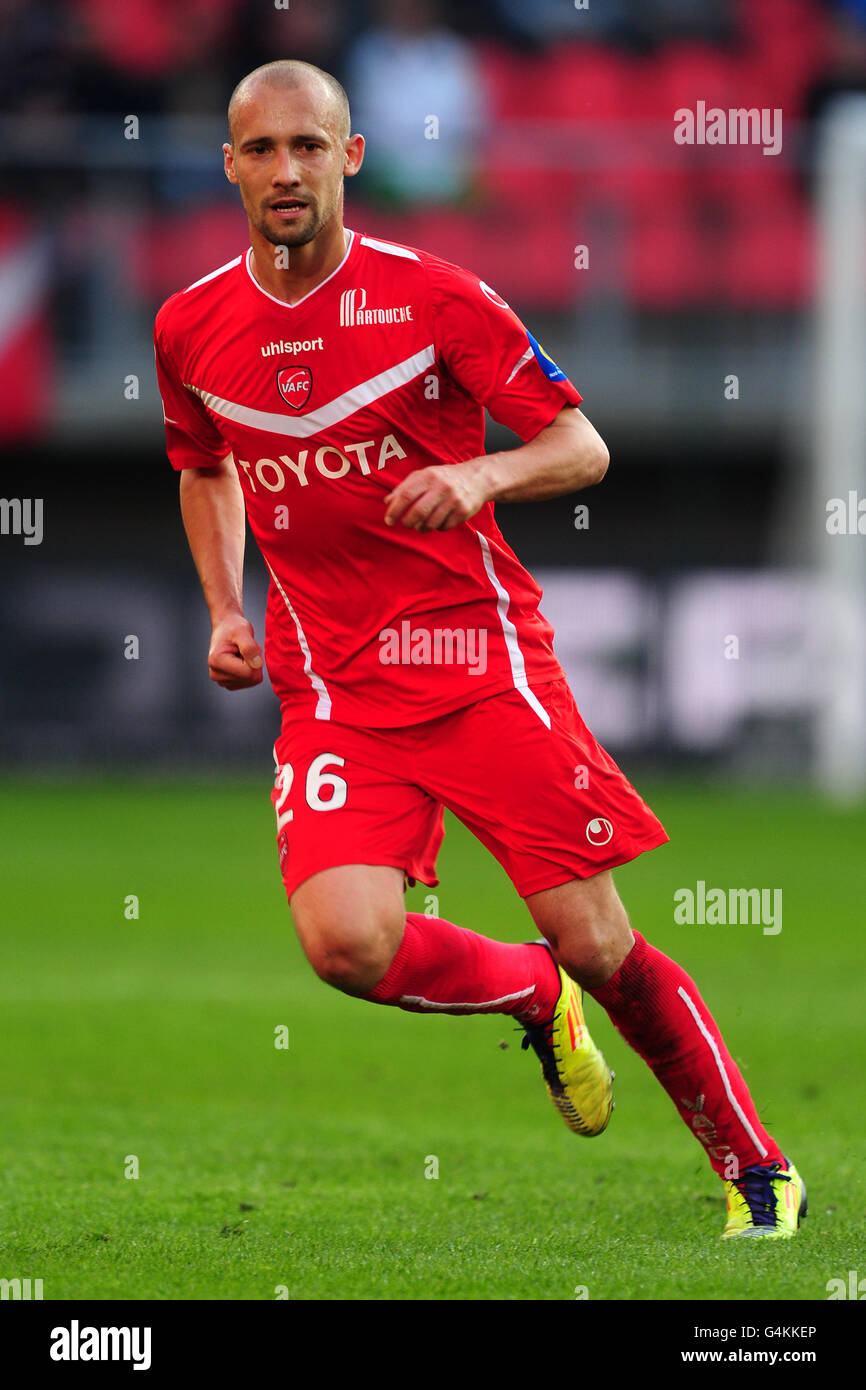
317,780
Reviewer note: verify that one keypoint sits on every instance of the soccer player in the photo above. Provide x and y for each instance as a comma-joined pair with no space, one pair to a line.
333,386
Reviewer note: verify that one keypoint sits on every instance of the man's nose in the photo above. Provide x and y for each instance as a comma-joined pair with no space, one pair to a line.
285,172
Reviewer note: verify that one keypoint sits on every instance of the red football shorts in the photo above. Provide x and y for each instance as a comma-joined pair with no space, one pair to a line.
522,772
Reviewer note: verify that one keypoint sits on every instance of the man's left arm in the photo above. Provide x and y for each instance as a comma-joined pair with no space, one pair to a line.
566,455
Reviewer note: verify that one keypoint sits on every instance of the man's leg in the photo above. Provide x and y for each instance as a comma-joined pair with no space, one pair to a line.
354,929
356,933
656,1007
528,810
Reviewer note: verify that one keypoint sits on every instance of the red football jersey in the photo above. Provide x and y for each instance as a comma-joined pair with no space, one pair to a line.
326,405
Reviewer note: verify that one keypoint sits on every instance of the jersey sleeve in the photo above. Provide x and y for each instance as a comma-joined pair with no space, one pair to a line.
493,357
192,440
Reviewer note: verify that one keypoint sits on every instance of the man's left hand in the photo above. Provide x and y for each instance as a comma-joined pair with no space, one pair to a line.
438,498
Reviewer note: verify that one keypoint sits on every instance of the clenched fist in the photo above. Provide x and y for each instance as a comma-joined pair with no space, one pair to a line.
235,657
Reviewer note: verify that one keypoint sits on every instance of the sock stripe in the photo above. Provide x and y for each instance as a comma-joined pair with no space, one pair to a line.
419,1002
743,1118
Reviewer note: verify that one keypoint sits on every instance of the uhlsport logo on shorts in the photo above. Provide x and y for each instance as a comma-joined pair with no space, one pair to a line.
599,831
295,385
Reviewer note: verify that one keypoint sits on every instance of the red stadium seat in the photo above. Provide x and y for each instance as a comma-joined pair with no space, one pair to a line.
516,84
651,186
789,42
768,258
174,250
152,37
526,255
590,86
768,24
743,186
690,72
509,169
587,82
667,264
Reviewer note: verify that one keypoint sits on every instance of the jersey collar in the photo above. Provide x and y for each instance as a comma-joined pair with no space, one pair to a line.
315,290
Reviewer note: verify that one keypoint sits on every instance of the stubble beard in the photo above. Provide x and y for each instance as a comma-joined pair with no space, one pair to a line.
294,236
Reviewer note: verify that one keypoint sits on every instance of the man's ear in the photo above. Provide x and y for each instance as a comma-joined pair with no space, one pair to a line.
229,163
354,155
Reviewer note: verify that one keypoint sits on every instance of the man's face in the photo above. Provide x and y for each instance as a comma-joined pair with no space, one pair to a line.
288,158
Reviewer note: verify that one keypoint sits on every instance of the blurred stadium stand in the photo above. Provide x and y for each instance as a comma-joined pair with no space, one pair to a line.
556,132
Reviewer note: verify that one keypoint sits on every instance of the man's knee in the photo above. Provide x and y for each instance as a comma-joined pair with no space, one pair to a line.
349,948
587,927
350,964
597,948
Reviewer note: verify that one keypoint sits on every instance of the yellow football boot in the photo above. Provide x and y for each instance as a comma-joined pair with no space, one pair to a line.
578,1079
769,1202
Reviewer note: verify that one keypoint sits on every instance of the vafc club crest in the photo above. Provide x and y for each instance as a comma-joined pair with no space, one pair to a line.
295,385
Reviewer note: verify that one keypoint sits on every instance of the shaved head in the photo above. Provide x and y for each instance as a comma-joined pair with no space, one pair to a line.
289,74
290,147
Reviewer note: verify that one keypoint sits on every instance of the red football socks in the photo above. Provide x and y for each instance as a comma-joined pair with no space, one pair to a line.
652,1002
656,1007
440,968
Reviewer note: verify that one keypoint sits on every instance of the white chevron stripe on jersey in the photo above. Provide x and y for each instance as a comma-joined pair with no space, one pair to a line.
337,410
509,632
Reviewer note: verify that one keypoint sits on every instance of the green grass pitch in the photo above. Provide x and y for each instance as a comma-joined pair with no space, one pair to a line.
302,1169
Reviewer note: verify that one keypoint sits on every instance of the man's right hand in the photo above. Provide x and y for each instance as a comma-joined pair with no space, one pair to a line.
235,658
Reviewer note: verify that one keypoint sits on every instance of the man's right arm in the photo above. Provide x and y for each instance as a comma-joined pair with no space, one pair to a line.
212,507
